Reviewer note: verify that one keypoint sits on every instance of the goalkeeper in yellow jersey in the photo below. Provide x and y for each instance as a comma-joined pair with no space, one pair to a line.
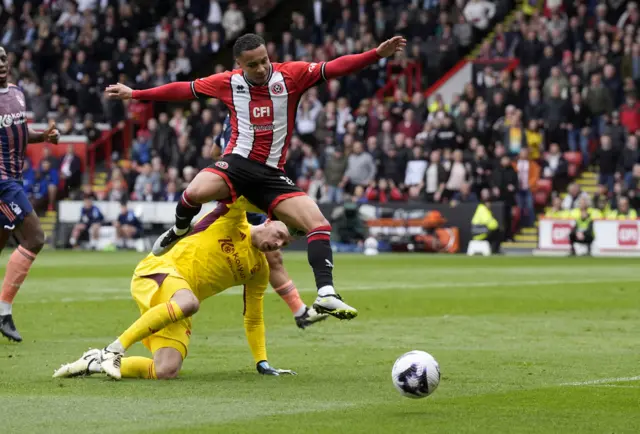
222,251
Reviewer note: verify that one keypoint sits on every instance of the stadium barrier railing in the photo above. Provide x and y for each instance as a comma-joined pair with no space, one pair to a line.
156,216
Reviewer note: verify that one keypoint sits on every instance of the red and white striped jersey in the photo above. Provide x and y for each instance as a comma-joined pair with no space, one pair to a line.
262,117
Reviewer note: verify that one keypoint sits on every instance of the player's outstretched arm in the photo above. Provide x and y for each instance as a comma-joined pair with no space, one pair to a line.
178,91
51,135
254,323
351,63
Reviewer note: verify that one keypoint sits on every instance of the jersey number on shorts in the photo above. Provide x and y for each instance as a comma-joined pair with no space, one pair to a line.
287,180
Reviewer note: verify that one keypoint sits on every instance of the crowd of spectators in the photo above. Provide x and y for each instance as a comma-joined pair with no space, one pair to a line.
574,89
63,53
171,147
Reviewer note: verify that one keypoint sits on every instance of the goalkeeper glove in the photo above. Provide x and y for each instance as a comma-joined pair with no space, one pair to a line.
265,368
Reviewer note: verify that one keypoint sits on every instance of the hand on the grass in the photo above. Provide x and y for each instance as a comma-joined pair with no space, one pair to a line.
390,46
118,91
265,369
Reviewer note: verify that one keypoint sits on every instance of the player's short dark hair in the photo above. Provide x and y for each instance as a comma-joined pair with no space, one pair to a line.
247,42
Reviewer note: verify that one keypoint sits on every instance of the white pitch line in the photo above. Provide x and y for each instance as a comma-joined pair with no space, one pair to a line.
615,386
603,381
381,287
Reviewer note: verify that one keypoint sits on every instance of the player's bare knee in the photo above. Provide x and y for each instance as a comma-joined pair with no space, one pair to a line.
187,301
35,241
167,371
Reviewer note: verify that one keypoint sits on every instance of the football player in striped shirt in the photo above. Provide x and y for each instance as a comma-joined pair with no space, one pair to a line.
16,213
262,98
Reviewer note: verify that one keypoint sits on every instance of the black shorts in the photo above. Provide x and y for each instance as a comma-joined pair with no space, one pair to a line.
263,186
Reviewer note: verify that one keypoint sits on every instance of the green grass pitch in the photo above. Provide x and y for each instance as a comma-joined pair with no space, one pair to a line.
525,345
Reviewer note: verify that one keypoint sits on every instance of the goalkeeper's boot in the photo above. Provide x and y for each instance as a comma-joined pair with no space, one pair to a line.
8,328
110,363
333,305
86,365
167,240
309,317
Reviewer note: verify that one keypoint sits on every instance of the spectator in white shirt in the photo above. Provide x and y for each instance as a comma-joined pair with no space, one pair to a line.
214,18
306,118
416,168
233,21
458,174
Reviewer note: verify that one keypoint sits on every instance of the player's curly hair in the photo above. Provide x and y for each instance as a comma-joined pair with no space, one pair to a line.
247,42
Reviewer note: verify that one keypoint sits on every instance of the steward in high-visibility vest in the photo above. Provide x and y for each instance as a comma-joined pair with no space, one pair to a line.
484,226
583,231
624,212
556,211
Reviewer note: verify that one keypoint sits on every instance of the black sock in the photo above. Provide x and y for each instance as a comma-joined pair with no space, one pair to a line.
320,255
186,211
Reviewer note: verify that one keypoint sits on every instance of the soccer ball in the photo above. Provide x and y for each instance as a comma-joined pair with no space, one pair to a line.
416,374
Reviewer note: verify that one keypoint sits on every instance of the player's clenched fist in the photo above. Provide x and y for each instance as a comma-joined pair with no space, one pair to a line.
51,134
390,46
118,91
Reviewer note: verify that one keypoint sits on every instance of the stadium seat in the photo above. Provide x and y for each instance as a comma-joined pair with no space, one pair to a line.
544,185
574,159
541,198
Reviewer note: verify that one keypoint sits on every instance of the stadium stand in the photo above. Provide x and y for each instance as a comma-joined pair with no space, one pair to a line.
557,82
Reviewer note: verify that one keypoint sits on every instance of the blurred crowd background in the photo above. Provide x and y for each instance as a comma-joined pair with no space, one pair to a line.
568,106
